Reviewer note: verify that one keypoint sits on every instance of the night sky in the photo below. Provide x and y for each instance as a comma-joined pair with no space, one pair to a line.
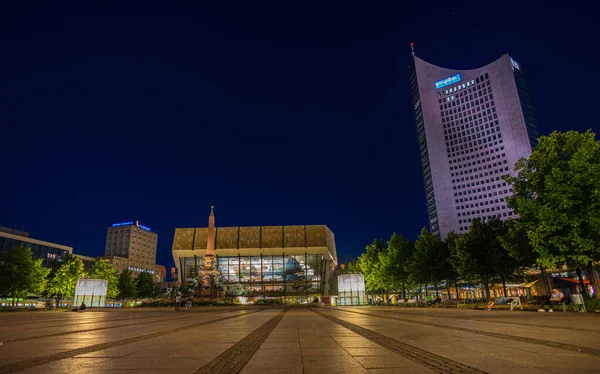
277,114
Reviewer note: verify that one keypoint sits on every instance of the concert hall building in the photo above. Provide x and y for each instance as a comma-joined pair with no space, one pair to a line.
295,262
472,127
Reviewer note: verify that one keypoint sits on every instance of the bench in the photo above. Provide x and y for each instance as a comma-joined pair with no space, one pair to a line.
410,302
460,303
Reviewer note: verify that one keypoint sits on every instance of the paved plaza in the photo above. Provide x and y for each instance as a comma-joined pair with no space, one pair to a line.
298,340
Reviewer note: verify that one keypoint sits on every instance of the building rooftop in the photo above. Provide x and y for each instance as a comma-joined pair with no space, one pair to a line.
35,241
86,258
14,231
230,240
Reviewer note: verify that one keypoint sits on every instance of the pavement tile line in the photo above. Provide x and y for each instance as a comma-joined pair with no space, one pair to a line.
430,360
83,322
235,358
165,318
33,362
491,321
547,343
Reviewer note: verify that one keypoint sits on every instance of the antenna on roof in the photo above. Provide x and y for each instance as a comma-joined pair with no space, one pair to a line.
412,47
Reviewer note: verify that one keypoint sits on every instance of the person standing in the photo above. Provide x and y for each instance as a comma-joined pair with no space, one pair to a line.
177,301
556,297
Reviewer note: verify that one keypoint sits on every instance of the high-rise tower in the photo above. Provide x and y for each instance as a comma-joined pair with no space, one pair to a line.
472,127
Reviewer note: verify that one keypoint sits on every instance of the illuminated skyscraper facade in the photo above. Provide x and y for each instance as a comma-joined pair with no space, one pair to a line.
472,127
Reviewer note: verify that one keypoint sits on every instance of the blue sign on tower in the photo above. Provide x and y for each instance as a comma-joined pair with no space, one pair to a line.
447,81
122,224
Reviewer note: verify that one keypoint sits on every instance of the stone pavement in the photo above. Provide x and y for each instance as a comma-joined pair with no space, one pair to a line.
298,340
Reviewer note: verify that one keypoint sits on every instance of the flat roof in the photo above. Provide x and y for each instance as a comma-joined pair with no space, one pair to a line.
35,241
87,258
255,240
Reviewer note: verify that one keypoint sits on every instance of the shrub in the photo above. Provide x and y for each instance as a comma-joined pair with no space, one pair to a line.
157,303
268,302
592,304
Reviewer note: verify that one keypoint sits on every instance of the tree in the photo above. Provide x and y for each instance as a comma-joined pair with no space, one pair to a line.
557,197
20,274
352,267
477,254
428,263
102,269
450,242
370,266
518,246
65,278
392,259
127,285
145,286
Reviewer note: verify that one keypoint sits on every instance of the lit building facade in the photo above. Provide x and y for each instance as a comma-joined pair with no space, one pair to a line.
88,261
117,263
351,289
133,244
291,261
472,127
160,273
48,252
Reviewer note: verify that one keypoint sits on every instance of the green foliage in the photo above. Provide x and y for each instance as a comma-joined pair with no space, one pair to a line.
20,274
127,285
429,262
236,290
592,304
451,240
517,244
370,266
157,303
102,269
268,302
352,267
557,197
145,286
396,254
479,254
65,278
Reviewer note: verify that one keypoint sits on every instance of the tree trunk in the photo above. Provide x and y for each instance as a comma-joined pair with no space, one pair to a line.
504,285
487,287
437,294
448,289
545,281
403,292
581,284
456,289
594,280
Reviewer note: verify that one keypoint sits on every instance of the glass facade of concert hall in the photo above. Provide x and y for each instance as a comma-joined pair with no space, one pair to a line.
269,260
289,274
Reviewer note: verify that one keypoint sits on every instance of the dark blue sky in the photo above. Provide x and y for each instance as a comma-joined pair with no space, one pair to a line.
276,114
